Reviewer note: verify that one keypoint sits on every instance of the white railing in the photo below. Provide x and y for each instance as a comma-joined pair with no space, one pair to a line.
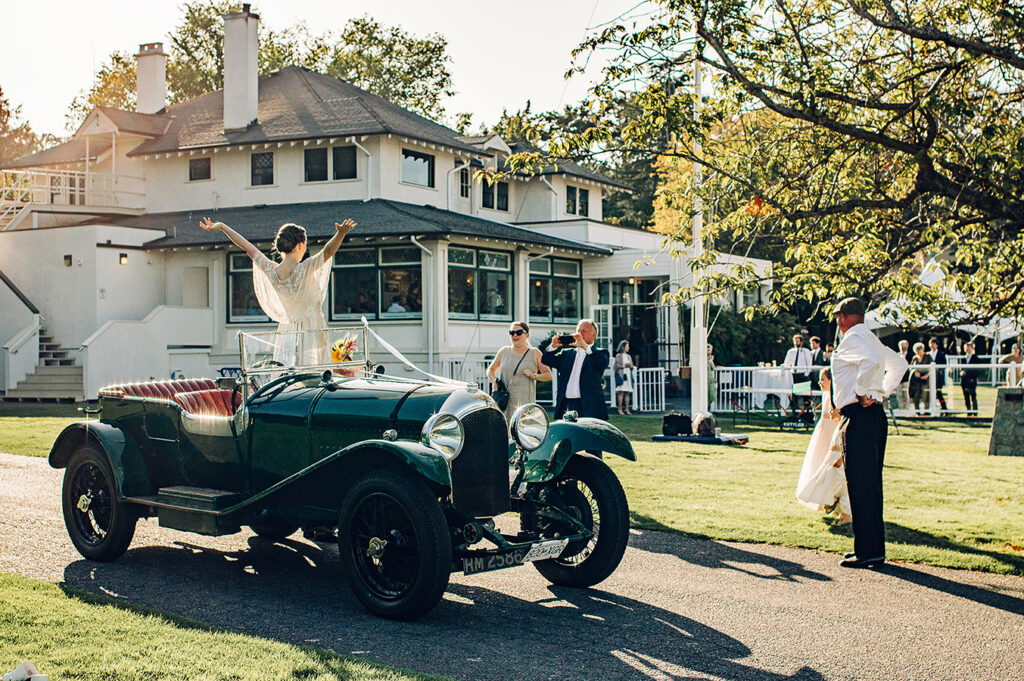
649,389
125,350
21,354
67,188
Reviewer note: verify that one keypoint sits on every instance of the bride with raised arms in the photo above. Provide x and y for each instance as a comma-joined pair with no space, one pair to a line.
292,291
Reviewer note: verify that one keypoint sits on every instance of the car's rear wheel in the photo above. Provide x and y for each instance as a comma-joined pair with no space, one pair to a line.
589,491
100,526
394,544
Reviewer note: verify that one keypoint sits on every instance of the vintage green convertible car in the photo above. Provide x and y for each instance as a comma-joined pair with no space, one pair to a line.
410,473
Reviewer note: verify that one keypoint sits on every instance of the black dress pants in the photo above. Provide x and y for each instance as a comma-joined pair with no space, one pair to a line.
865,451
970,387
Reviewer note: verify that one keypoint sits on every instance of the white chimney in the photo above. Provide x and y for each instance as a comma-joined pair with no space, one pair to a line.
240,69
151,78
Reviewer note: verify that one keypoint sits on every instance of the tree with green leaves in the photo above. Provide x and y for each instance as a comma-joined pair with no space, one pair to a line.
17,138
868,137
411,71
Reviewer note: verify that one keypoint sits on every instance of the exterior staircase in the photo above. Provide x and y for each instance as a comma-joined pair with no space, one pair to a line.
56,378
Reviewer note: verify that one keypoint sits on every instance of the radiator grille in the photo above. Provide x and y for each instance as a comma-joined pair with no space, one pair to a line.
480,471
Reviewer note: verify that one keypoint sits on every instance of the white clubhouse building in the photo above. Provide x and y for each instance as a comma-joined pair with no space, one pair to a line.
106,276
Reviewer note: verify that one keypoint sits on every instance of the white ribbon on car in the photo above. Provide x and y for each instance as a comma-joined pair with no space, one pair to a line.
404,360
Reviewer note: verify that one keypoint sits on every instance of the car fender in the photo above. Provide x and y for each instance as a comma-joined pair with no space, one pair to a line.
424,460
122,452
565,438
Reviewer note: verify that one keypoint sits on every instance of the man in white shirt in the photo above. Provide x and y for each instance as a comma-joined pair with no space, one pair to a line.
864,373
799,358
580,368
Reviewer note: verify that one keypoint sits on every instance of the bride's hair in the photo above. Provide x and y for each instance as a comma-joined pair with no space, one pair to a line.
288,237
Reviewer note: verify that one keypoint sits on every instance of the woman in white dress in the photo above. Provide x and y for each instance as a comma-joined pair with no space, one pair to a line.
822,483
623,378
292,291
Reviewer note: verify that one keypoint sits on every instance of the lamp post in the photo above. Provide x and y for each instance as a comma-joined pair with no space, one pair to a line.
698,332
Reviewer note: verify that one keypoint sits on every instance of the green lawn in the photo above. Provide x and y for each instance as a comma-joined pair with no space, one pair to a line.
70,635
947,502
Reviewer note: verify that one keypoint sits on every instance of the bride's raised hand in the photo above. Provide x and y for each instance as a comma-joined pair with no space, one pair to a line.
345,227
209,225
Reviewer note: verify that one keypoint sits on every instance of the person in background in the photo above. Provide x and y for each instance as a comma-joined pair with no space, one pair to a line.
799,358
396,305
969,380
864,373
829,349
623,378
519,366
817,352
712,378
938,357
1016,371
903,392
918,386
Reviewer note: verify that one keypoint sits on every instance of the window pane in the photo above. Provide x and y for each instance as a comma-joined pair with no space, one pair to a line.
584,202
461,256
316,165
403,255
495,294
493,260
566,302
355,256
566,268
198,169
570,200
244,305
344,163
503,196
464,183
417,168
540,266
602,292
401,291
461,292
240,262
540,299
355,292
487,194
262,168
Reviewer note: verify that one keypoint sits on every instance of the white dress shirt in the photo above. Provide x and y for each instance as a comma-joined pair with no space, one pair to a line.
798,357
572,389
861,365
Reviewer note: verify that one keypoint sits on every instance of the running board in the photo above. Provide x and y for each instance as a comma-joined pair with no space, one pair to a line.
193,509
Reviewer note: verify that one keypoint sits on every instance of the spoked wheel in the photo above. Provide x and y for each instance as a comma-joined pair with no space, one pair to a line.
394,545
100,526
589,491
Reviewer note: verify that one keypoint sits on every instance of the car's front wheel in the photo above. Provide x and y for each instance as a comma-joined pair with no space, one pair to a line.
394,544
100,526
588,491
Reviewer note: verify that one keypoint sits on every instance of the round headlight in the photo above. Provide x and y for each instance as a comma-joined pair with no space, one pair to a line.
444,433
529,426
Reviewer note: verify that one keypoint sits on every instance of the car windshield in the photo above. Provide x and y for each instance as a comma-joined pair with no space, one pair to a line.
341,349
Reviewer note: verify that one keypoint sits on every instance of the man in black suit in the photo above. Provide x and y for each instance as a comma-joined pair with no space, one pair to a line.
938,357
969,379
580,368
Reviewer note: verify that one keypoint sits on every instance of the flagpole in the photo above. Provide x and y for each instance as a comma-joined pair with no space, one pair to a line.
698,332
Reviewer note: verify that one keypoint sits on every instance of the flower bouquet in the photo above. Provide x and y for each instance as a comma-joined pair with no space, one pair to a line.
343,351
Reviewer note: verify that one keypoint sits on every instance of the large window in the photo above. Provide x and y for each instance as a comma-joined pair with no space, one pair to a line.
495,196
242,303
556,290
199,169
479,284
577,201
417,168
383,283
344,159
342,164
262,167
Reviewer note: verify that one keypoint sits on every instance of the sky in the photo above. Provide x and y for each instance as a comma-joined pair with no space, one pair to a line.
502,54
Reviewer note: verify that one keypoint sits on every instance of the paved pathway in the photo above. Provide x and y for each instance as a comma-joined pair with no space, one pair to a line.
677,608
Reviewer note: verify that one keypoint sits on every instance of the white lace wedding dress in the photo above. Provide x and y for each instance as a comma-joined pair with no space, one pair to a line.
821,483
296,304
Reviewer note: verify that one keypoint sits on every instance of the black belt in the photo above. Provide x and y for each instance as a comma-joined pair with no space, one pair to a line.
855,408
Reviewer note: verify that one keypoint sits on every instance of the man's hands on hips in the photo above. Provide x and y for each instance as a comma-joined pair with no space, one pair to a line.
866,401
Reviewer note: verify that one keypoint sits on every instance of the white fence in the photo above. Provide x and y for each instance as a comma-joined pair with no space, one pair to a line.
648,383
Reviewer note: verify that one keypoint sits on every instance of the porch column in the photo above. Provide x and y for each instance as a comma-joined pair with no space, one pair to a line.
439,299
521,277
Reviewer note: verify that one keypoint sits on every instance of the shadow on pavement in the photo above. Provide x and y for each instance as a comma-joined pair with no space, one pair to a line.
716,555
295,592
993,599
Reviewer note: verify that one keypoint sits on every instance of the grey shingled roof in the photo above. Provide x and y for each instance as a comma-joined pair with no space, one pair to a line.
295,104
570,168
67,152
149,125
377,217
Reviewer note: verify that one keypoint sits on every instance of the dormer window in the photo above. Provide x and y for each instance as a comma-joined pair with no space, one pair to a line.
464,183
577,201
199,169
417,168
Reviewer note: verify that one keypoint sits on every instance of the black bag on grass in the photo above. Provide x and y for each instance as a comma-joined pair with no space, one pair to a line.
676,423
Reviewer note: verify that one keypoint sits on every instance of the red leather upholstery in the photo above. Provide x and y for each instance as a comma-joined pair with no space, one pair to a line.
208,402
163,390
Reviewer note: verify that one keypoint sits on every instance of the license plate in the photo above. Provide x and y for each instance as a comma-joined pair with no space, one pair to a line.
497,561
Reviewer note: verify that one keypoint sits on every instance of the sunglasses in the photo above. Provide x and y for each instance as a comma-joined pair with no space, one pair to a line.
516,332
